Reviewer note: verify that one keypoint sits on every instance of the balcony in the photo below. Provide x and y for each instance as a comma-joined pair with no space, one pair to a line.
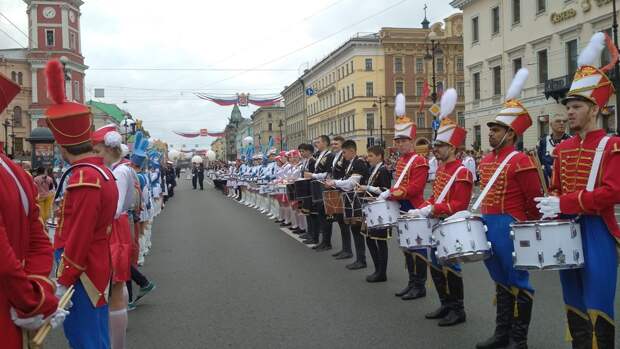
557,87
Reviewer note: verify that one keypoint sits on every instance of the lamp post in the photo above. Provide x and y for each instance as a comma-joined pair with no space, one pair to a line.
430,54
380,101
6,135
280,124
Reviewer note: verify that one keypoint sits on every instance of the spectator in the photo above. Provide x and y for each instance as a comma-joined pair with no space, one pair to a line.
45,184
548,142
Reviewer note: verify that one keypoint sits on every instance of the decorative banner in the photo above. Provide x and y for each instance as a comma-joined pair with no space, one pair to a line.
202,133
240,99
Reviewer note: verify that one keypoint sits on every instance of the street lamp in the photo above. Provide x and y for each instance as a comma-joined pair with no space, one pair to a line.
380,100
430,54
6,125
280,124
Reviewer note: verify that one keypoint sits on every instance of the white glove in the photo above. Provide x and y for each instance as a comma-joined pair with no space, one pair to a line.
548,206
60,291
426,211
459,215
374,190
28,323
413,213
385,195
58,317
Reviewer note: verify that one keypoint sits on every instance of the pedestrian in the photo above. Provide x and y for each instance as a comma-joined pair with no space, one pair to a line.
45,186
548,142
171,181
201,175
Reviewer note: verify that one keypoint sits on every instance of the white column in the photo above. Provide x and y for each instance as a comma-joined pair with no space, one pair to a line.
65,26
35,90
69,90
34,25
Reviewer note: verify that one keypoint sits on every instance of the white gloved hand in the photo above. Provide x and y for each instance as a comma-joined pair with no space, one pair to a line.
385,195
460,215
58,317
60,291
28,323
426,211
374,190
413,213
548,206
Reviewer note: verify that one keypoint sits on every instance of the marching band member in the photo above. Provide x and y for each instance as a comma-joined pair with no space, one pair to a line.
452,191
283,172
107,144
585,182
296,169
323,166
354,175
510,198
411,173
26,257
379,180
275,204
308,166
86,217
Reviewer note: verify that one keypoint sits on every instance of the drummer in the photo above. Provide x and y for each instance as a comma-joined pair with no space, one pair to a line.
297,217
379,180
411,173
355,173
589,292
452,190
510,198
307,166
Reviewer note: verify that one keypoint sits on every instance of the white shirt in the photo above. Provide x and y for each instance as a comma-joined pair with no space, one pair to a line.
470,164
125,183
349,183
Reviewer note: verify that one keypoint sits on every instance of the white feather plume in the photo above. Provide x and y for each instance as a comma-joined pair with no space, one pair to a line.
400,105
448,102
517,84
113,139
124,150
591,54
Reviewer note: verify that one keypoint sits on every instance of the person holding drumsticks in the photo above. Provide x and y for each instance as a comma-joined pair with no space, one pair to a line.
411,173
452,191
510,180
376,239
585,182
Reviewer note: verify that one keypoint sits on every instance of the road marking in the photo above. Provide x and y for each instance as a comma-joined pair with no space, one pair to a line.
296,237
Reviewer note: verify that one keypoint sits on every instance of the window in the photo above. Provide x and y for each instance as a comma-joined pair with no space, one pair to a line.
49,37
17,117
421,120
541,6
542,66
72,41
516,12
516,65
18,144
14,76
571,57
339,96
348,93
368,64
476,86
20,78
497,80
419,87
352,67
460,88
474,30
439,88
352,90
460,118
495,20
459,64
440,65
269,127
398,64
370,121
369,89
399,87
477,137
419,65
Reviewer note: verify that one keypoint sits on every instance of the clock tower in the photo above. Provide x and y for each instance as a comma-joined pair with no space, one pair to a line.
54,32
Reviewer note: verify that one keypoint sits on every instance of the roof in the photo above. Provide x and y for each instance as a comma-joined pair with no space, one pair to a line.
13,53
110,109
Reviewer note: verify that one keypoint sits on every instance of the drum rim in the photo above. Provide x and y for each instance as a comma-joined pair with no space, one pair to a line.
405,218
472,218
551,222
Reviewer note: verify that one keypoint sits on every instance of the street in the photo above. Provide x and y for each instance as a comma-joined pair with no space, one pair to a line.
227,277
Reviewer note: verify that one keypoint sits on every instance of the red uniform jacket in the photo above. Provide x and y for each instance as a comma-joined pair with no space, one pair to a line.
571,169
412,186
458,196
86,216
25,256
516,187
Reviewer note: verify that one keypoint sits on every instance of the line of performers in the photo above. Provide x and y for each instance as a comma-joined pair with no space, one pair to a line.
107,202
569,227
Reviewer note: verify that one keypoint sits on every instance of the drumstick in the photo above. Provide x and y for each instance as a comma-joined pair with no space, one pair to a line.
541,175
42,332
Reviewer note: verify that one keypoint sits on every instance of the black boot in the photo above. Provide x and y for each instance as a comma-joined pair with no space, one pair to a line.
521,320
503,320
439,280
580,329
604,332
420,272
405,290
456,315
410,270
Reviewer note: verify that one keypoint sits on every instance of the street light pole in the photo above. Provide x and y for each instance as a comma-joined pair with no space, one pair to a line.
380,100
434,48
6,135
281,140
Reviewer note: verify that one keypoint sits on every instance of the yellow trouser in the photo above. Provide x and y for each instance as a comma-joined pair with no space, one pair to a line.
45,207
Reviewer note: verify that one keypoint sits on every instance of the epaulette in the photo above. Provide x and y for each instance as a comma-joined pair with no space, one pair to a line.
464,176
615,148
85,177
524,163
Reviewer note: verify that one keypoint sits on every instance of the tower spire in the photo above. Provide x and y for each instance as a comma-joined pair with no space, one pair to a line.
425,22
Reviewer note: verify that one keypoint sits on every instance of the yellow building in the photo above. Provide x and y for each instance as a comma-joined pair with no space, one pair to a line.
268,122
218,147
345,89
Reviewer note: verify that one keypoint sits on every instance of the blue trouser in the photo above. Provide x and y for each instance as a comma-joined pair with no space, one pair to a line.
500,264
86,326
593,287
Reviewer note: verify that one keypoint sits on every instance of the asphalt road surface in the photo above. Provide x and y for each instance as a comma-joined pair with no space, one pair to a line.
227,277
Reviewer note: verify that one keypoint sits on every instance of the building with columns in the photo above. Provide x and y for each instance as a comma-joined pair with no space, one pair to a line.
295,114
546,37
15,120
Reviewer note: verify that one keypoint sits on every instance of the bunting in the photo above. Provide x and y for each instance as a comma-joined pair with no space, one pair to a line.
201,133
240,99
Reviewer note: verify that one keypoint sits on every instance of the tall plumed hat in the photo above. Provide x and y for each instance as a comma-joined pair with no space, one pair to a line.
448,131
404,127
513,114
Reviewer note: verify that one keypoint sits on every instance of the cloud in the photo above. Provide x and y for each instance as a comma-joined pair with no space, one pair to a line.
222,34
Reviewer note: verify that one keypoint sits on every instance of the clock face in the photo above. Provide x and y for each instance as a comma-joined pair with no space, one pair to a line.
49,12
72,16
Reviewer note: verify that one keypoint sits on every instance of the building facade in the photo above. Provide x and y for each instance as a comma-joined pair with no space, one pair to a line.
409,65
244,130
344,90
268,123
218,148
546,37
16,124
230,133
295,114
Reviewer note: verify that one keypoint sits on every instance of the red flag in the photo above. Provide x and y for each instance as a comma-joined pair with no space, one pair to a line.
425,93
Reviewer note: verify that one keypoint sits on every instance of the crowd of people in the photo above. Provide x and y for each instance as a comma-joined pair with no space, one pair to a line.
310,188
71,244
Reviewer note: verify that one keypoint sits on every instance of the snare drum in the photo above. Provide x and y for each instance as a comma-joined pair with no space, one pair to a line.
302,189
462,240
317,189
416,232
352,207
290,191
332,202
381,213
547,245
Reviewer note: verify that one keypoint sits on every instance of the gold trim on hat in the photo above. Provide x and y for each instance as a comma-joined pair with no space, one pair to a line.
90,125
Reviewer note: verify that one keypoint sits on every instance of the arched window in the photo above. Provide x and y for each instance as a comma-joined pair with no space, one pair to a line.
20,77
17,116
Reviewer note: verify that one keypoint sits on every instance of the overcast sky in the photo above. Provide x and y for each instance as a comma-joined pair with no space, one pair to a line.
281,36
